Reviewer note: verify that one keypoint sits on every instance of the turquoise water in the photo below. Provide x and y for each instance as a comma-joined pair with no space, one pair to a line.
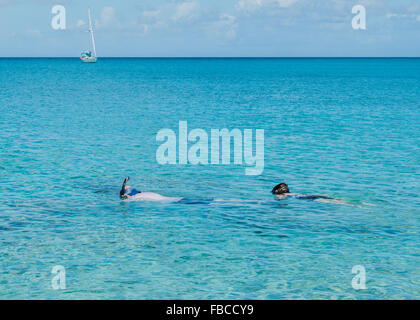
346,128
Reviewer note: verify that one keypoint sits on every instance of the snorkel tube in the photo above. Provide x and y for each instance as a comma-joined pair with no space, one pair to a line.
122,191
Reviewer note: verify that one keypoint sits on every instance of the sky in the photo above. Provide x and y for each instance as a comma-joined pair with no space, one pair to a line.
212,28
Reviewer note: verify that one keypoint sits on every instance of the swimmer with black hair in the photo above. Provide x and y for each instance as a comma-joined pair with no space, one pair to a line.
281,191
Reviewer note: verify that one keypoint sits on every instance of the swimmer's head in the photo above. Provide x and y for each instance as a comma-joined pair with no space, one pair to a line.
125,190
124,187
281,188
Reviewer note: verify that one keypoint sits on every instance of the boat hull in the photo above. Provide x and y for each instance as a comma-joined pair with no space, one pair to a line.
88,59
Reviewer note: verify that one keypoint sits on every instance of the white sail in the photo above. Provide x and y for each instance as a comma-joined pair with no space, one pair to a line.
87,55
91,34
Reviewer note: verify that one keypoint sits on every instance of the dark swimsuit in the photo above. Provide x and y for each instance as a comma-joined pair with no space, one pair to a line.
311,197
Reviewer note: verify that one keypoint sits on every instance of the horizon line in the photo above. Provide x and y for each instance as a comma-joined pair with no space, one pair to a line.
216,57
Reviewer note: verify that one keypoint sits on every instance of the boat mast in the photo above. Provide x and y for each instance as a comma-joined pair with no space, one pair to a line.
91,34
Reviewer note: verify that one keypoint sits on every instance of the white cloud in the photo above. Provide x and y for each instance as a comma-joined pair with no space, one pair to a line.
415,7
107,15
171,15
151,13
254,5
224,28
33,33
402,16
249,5
186,11
80,23
107,18
285,3
396,15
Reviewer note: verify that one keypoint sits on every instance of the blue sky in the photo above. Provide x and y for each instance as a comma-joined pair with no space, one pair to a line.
212,28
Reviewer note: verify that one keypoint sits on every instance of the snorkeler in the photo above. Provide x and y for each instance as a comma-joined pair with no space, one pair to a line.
127,191
281,191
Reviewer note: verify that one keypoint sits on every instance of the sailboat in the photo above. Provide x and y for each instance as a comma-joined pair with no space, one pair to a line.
86,55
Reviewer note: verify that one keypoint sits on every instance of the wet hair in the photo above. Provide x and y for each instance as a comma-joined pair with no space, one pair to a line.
281,188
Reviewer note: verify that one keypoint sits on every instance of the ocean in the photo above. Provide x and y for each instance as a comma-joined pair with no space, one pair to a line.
344,128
